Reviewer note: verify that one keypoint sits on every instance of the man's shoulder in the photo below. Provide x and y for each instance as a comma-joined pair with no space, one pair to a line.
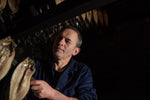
80,65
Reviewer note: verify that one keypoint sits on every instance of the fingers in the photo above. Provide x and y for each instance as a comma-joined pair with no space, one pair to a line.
37,93
40,88
35,87
35,82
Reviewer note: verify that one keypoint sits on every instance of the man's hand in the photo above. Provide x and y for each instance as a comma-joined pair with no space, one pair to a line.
41,89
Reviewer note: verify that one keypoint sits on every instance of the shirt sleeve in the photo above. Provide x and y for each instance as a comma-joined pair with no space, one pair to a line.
85,88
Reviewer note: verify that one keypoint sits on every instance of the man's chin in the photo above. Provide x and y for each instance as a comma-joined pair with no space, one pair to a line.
58,54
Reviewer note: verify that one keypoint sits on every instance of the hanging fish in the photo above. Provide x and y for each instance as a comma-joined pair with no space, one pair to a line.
100,15
20,80
14,5
87,23
2,4
83,16
82,23
105,18
7,53
58,1
78,22
95,15
89,16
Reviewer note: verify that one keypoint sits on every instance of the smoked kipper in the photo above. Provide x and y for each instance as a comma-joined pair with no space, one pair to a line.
20,80
7,54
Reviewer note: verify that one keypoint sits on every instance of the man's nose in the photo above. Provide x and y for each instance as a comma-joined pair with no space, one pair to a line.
61,41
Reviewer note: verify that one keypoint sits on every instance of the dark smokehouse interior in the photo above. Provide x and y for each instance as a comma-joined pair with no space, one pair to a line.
115,39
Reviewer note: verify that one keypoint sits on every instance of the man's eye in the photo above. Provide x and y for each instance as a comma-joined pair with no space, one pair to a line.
67,41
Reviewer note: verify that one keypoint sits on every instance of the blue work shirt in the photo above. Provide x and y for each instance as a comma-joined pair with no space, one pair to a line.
75,81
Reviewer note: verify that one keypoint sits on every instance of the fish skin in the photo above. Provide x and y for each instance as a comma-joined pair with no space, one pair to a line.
20,81
7,54
14,5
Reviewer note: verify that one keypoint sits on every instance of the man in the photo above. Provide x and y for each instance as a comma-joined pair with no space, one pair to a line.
63,78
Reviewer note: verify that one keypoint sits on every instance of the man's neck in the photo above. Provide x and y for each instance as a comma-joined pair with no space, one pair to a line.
61,65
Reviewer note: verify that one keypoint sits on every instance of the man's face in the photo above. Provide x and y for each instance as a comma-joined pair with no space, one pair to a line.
65,44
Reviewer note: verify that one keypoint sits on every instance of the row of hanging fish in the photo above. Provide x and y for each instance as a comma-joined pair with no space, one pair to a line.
42,7
14,7
95,17
20,79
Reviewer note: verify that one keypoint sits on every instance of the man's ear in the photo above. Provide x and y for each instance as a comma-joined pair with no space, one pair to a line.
76,51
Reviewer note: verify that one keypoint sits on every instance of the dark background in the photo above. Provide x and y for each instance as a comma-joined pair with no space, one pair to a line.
119,58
